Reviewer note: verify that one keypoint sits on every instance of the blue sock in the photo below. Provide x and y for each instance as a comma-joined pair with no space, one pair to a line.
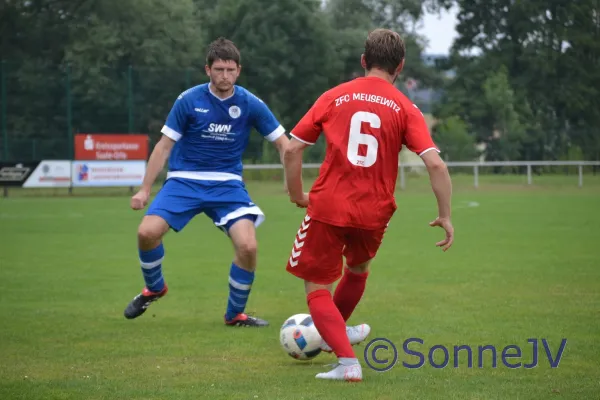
151,262
240,283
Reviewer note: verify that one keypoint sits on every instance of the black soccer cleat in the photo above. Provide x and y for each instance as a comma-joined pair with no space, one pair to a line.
245,320
142,301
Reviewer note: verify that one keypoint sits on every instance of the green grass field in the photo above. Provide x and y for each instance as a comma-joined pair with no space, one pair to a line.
525,264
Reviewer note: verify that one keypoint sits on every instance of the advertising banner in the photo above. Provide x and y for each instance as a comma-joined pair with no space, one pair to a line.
108,173
100,146
50,173
15,174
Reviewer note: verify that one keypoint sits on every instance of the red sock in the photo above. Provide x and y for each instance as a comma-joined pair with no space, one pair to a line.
349,292
329,323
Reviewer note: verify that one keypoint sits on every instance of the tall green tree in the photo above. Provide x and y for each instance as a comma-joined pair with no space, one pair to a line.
551,51
353,19
506,130
288,55
454,139
130,60
32,38
103,58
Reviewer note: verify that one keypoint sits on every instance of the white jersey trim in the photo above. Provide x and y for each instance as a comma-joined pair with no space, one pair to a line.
271,137
260,216
429,149
217,97
204,176
302,140
171,133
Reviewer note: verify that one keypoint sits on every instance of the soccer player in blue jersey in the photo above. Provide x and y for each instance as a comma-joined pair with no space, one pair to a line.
203,139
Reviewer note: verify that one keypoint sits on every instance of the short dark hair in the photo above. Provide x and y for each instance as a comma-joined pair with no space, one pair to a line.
222,49
384,49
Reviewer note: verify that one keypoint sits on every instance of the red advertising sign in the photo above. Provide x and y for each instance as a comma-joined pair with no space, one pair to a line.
101,146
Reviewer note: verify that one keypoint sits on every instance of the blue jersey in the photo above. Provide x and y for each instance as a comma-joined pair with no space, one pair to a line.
211,134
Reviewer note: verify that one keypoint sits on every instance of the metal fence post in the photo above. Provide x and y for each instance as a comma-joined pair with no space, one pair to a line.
476,175
580,168
402,178
70,145
4,100
529,174
130,97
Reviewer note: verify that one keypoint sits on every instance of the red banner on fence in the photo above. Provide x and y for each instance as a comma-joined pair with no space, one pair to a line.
102,146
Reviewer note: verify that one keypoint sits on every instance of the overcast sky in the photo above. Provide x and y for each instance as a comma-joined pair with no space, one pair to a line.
439,30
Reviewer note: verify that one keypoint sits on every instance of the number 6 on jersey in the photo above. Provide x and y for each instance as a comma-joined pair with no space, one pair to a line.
357,138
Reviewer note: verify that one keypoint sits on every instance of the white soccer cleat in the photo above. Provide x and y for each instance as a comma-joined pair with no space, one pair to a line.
341,372
356,334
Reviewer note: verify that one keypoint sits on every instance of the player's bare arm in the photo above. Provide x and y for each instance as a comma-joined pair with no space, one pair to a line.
156,163
292,163
281,143
442,187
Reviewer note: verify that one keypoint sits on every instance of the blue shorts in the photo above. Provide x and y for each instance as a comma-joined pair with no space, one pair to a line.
180,200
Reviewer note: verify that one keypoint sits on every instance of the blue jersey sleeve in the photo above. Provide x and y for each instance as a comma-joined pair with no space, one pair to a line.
175,125
263,120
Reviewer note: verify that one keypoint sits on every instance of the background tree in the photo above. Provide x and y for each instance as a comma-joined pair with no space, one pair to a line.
525,82
453,137
550,51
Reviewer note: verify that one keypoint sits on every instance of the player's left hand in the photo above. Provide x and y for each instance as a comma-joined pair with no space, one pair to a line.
302,202
445,224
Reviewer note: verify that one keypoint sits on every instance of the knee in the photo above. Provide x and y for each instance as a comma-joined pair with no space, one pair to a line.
311,287
359,269
247,249
148,233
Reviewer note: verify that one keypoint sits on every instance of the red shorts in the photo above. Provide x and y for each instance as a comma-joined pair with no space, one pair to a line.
318,249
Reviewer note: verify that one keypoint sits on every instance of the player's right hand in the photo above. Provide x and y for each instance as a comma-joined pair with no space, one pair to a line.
301,203
447,226
139,200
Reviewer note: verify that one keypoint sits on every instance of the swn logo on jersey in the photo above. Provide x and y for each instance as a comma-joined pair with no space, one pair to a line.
219,128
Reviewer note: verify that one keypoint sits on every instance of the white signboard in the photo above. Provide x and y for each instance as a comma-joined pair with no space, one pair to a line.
108,173
50,173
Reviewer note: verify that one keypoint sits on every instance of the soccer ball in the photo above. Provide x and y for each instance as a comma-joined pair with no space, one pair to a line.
300,338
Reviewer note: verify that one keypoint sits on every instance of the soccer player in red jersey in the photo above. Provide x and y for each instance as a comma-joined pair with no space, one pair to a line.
365,122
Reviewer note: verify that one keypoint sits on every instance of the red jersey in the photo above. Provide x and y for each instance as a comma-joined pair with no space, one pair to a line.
365,122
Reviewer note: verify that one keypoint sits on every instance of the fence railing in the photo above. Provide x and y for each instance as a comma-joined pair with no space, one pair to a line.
274,172
475,165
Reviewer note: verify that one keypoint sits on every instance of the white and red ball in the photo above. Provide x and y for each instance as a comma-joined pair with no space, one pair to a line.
300,338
